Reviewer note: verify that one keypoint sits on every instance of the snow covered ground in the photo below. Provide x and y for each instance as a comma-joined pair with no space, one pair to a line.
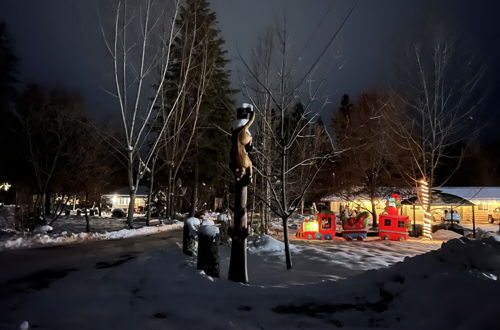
399,285
18,240
455,287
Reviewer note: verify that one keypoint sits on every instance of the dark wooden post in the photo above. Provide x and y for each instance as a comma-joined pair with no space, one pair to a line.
208,250
473,222
414,222
241,166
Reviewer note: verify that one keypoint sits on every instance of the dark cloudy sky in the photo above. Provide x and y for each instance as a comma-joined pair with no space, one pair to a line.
59,41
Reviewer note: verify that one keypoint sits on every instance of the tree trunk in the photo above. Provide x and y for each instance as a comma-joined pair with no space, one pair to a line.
238,263
130,214
262,219
374,214
46,201
288,255
170,194
150,193
87,220
195,189
132,189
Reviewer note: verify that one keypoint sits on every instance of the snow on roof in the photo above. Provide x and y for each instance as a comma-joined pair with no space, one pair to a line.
385,192
141,191
469,193
473,193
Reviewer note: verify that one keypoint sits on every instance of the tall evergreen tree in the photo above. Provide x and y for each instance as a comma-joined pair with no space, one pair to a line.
198,71
8,67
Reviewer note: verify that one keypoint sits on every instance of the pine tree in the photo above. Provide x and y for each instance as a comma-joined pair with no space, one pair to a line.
8,68
198,71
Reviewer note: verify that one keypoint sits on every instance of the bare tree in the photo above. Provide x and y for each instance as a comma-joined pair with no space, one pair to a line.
280,94
441,95
48,129
368,166
139,51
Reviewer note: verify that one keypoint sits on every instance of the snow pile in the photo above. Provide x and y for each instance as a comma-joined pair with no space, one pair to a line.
207,230
207,223
455,287
266,243
43,229
24,326
193,225
210,216
223,217
445,235
69,238
482,233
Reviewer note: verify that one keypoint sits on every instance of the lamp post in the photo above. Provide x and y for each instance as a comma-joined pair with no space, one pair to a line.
425,198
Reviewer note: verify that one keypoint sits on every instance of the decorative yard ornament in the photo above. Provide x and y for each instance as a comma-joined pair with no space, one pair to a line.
425,199
392,204
393,226
241,143
241,166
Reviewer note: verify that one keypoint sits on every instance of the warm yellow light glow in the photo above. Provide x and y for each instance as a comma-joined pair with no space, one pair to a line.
424,192
114,199
5,186
311,226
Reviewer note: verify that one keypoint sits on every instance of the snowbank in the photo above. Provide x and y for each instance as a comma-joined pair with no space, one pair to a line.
208,230
445,235
265,243
193,225
65,238
223,217
210,215
43,229
208,223
455,287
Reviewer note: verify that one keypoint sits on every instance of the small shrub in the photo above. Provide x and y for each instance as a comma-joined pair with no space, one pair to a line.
118,213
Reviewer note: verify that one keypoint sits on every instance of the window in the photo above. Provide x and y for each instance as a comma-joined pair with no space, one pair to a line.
401,224
387,222
123,200
482,207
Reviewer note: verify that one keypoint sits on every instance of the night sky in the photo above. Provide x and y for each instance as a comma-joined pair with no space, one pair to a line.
59,42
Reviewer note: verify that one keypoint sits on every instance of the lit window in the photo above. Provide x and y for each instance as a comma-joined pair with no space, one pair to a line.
482,207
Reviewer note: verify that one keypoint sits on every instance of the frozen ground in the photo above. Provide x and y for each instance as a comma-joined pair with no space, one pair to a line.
454,287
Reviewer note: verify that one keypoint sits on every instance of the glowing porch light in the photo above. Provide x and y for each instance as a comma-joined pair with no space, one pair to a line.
114,199
5,186
425,195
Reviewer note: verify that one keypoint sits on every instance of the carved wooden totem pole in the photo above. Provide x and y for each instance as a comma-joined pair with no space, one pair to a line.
241,165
